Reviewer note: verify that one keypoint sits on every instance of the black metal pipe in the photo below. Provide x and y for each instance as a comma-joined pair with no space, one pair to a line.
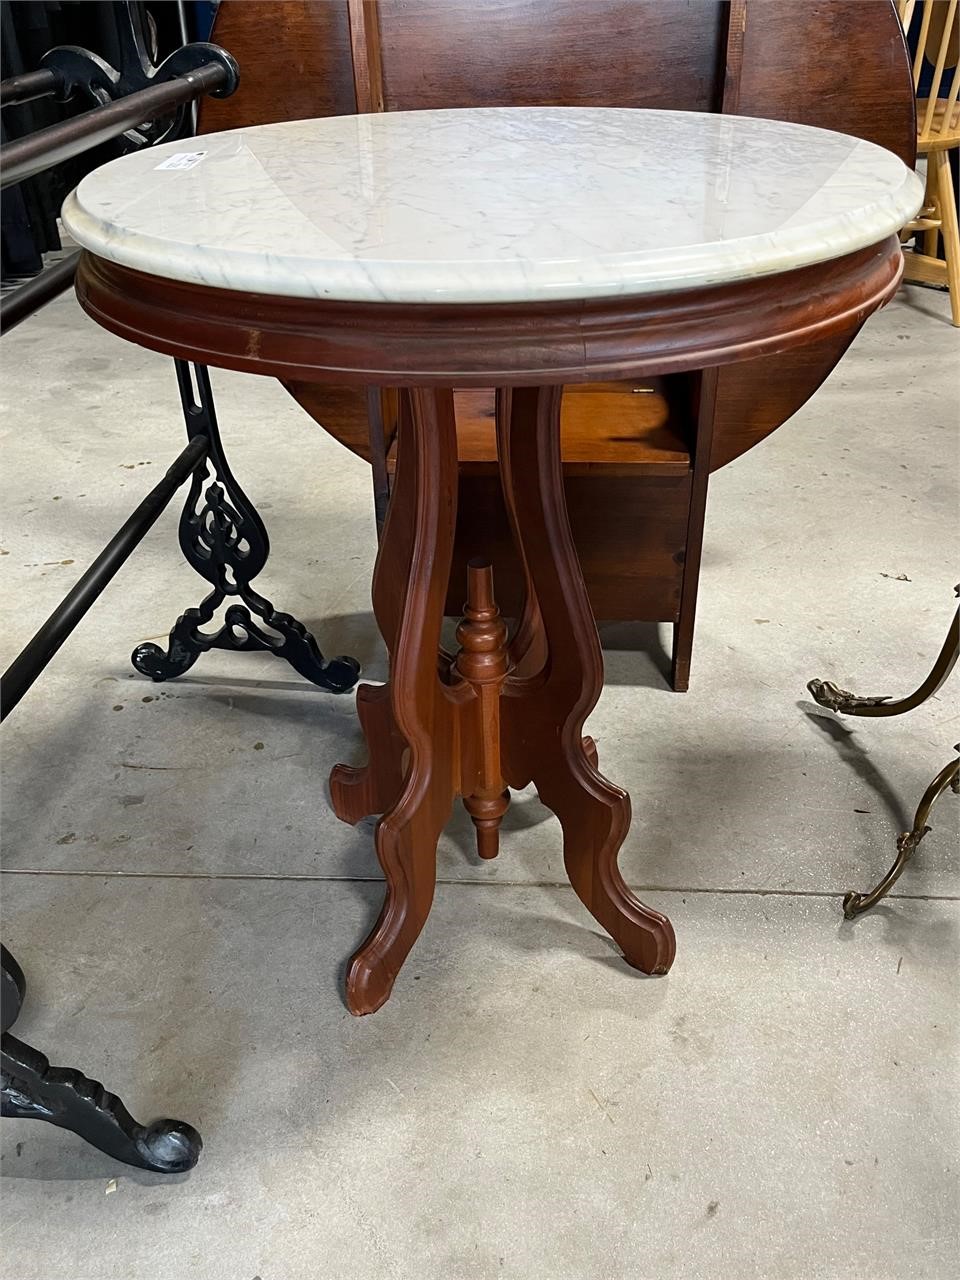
49,147
30,85
25,668
36,293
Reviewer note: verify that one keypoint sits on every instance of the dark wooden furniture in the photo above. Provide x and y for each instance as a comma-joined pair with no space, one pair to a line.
636,468
503,712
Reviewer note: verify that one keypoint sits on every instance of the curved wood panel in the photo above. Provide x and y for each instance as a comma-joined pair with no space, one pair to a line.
294,59
836,64
840,64
509,344
572,53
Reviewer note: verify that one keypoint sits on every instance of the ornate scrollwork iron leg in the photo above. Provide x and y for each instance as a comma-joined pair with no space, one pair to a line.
826,694
33,1090
224,539
856,903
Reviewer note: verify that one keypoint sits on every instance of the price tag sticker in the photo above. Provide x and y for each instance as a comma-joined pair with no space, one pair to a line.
181,160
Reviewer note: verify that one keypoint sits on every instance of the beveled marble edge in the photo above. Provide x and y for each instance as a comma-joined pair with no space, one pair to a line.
508,280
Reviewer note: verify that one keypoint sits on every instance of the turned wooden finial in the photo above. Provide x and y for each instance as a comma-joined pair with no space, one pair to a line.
483,663
482,633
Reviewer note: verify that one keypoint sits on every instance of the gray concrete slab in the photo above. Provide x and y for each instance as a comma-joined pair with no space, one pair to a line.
783,1105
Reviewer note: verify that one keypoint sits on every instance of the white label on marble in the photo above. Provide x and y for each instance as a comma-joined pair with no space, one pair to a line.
181,160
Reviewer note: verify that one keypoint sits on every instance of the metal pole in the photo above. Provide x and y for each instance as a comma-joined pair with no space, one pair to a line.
25,668
30,85
36,293
49,147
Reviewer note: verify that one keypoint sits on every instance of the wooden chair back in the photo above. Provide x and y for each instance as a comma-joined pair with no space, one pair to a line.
937,27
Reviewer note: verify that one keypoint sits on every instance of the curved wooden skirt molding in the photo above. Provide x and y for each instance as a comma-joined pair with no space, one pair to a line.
461,345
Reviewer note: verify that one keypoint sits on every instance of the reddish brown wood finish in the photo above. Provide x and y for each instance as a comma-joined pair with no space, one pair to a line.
705,416
520,344
484,663
836,64
547,702
491,718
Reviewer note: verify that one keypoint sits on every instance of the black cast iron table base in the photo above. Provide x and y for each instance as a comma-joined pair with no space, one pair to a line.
223,538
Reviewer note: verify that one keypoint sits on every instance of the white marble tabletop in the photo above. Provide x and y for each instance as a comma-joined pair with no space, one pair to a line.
492,205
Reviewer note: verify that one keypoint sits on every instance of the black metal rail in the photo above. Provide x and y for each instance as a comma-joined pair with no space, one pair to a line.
139,99
49,147
215,73
25,668
31,85
36,293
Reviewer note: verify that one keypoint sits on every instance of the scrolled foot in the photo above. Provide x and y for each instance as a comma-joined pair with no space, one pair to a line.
179,656
406,843
827,694
170,1146
853,904
369,983
32,1089
595,817
287,638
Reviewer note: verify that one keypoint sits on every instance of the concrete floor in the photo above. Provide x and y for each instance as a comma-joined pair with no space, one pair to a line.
782,1106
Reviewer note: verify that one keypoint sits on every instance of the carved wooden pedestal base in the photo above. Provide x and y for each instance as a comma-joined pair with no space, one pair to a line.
504,712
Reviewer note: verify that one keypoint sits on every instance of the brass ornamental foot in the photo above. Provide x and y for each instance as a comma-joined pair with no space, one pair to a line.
854,904
827,694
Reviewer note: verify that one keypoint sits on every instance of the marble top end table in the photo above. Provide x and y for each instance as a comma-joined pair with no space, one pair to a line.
522,248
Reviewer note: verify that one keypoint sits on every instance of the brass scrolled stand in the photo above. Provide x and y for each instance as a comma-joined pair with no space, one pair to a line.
833,698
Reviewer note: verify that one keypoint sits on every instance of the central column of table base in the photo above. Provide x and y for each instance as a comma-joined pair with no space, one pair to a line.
498,715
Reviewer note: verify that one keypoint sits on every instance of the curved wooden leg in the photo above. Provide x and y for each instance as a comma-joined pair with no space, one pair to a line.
423,709
356,793
407,849
376,786
545,710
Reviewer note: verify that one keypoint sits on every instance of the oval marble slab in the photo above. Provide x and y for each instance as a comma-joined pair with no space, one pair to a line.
492,205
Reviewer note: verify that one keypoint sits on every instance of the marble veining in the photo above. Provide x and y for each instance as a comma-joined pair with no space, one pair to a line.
493,205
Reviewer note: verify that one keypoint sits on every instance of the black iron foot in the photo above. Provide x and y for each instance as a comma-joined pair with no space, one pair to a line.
241,632
33,1090
224,539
